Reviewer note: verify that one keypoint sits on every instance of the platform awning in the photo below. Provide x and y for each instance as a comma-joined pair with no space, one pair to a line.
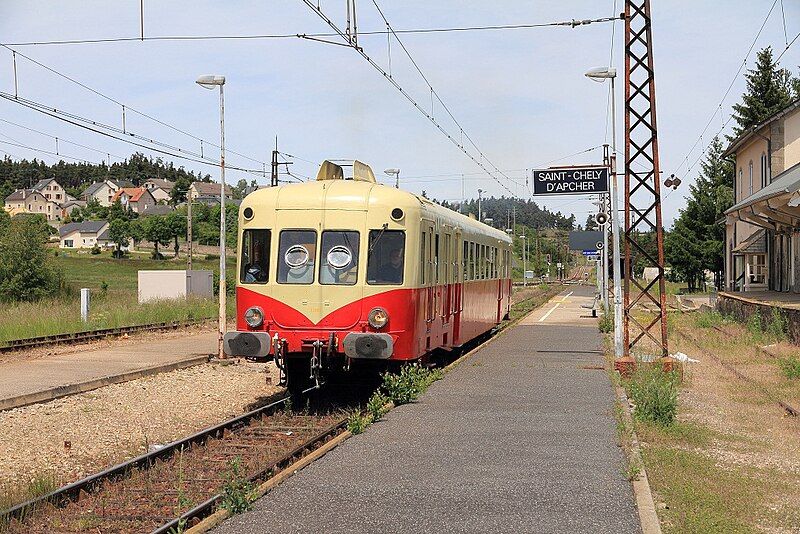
755,244
776,204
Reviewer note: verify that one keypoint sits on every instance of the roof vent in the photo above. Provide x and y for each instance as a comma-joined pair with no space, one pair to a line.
331,171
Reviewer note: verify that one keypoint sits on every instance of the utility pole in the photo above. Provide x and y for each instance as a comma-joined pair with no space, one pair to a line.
274,179
189,230
480,208
642,188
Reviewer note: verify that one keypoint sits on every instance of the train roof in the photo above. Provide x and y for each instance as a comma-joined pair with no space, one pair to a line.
332,190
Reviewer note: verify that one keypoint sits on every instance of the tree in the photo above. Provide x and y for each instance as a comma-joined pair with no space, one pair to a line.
769,89
119,232
697,241
157,231
240,190
5,220
591,224
27,271
136,231
179,190
177,227
116,211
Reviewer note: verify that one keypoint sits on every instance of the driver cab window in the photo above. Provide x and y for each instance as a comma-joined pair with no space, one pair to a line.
386,255
338,258
255,256
297,252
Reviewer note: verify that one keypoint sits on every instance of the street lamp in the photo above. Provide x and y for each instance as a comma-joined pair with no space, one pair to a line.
524,260
396,174
209,82
600,74
480,213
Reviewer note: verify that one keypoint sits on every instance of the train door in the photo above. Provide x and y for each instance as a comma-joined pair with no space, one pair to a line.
459,266
429,274
496,270
437,277
447,273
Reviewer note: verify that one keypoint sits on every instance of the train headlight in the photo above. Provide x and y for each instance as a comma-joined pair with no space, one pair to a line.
378,318
340,257
254,317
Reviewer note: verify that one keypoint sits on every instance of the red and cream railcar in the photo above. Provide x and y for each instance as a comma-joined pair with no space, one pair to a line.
341,270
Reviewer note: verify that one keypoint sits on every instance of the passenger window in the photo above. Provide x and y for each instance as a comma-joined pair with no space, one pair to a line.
255,257
422,259
338,258
386,257
465,261
297,252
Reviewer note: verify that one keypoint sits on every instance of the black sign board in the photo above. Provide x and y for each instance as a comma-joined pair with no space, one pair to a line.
570,181
584,240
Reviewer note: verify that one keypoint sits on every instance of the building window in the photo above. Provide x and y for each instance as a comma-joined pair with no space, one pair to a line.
751,176
69,243
740,187
758,268
763,170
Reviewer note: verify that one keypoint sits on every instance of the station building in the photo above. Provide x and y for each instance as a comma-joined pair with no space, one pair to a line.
762,228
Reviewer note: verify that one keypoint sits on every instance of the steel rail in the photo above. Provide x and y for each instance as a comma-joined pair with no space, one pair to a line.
90,335
206,508
71,492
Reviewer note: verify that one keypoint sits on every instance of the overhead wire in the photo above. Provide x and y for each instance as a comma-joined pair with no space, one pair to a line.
494,27
59,138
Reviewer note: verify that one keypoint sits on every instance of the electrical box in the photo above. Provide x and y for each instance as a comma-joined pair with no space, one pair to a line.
169,284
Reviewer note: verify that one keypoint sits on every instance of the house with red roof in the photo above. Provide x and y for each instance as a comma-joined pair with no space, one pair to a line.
136,199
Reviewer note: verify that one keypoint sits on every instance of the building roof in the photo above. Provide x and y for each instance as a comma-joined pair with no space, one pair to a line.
210,189
134,193
755,244
157,209
85,227
213,200
786,182
745,136
73,202
94,187
166,185
19,194
41,184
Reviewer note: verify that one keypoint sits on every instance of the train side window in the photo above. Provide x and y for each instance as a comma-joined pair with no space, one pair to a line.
297,253
436,262
422,259
255,257
483,262
386,257
471,260
338,258
465,261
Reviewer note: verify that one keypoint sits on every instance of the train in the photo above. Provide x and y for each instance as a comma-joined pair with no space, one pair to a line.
344,272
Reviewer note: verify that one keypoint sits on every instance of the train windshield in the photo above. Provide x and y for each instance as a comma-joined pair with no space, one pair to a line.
338,258
297,252
255,256
386,257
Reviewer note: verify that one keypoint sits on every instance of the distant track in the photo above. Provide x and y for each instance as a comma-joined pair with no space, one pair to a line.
92,335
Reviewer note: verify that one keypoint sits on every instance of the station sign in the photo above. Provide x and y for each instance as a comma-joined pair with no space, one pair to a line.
570,180
590,253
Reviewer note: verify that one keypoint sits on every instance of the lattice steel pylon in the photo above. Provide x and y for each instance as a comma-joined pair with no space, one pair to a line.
642,188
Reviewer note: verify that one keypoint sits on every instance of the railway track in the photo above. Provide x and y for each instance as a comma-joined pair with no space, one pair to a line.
177,485
92,335
788,408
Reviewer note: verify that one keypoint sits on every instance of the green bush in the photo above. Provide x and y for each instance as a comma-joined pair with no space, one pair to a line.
406,386
655,394
357,422
708,319
376,406
96,250
27,270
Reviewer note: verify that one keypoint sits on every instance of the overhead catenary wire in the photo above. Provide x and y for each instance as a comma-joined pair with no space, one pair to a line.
63,140
123,106
494,27
402,91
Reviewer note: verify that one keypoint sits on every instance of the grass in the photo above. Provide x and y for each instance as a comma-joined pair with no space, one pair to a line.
655,394
790,367
39,485
113,284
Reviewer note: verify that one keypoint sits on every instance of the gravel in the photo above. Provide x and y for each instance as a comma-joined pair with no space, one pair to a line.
75,436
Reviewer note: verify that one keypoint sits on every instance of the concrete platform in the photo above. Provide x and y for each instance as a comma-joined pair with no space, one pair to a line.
520,437
28,381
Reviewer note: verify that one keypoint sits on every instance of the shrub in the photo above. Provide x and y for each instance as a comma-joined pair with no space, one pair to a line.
212,256
409,384
96,250
708,319
27,271
778,325
376,406
357,422
655,394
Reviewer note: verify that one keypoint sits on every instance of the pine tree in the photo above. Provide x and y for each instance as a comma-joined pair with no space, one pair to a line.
768,91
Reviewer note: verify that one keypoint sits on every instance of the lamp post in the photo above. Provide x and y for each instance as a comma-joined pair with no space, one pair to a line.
480,213
601,74
524,259
396,174
209,82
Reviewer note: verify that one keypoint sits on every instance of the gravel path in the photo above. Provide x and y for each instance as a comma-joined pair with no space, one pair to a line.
72,437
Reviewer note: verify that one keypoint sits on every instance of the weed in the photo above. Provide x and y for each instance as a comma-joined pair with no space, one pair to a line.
409,384
237,489
778,325
376,406
708,319
633,470
790,367
754,326
180,529
357,422
606,323
655,394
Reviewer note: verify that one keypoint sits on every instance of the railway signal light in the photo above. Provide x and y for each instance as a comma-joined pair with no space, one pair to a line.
601,218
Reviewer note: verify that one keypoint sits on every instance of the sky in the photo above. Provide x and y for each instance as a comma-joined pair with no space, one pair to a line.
519,94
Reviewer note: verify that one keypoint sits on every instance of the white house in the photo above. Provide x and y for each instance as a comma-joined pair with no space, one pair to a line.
32,201
85,234
51,190
160,189
102,192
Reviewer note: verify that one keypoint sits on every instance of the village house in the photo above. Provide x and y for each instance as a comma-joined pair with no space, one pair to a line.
51,190
160,189
69,206
102,192
762,241
33,201
136,199
208,189
85,234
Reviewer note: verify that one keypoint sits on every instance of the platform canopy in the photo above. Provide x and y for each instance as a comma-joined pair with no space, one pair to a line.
778,204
